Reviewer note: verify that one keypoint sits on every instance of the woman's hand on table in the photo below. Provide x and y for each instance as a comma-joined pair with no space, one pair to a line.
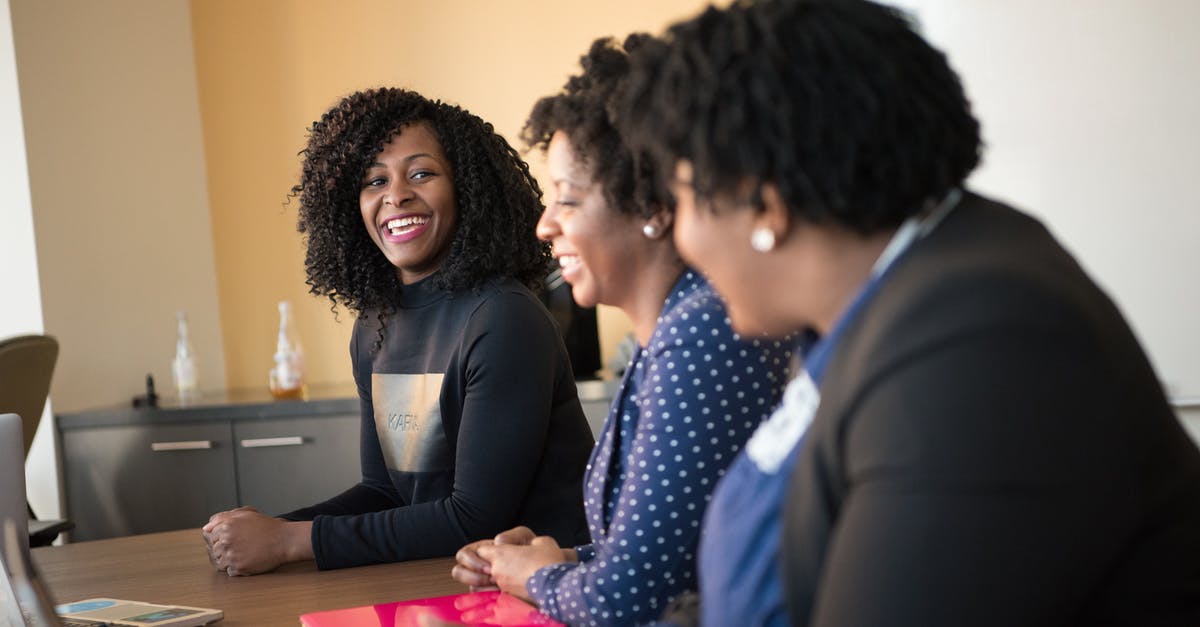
244,541
475,571
510,565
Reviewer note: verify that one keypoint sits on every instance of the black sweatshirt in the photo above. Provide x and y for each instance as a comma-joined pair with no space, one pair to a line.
471,424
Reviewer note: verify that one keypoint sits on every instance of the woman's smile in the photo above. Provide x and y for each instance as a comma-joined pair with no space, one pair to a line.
405,227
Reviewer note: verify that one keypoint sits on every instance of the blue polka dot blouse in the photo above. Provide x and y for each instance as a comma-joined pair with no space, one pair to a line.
688,402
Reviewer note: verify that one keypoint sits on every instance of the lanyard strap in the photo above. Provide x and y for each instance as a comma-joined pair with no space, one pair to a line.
913,229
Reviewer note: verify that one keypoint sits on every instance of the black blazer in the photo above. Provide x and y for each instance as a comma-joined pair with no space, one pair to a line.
992,448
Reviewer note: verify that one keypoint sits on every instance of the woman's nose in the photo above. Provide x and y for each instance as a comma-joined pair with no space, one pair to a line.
397,192
547,226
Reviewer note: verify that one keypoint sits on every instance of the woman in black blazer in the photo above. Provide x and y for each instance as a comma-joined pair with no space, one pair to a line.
988,443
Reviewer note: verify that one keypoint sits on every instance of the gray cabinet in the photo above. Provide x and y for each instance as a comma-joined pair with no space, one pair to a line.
287,463
129,471
125,480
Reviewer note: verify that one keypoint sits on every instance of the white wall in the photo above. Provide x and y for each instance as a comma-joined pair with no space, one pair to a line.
22,309
1190,415
1091,114
116,181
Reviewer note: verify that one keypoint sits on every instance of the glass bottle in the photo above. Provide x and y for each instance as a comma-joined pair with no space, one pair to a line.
287,375
183,369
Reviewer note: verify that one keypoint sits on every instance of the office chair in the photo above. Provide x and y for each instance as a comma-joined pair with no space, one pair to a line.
26,368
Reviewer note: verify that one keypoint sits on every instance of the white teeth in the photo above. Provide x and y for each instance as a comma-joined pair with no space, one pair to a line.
401,225
566,261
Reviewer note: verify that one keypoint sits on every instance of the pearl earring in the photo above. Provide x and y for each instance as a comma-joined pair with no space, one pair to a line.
762,239
650,231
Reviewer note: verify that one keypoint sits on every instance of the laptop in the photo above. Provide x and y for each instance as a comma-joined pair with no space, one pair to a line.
24,599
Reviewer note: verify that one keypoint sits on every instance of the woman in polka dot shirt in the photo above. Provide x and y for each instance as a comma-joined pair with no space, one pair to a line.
692,395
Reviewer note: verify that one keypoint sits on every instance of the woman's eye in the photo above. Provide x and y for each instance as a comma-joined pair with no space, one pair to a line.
420,175
374,182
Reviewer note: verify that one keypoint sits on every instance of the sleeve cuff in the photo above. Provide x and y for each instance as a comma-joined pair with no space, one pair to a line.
315,539
542,584
585,552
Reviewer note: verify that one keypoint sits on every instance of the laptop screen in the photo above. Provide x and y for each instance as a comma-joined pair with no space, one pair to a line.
12,476
21,594
10,611
24,598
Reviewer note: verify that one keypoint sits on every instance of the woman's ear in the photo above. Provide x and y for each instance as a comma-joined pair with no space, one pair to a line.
772,220
659,224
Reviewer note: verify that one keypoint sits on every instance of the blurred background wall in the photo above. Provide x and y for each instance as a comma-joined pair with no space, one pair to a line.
161,140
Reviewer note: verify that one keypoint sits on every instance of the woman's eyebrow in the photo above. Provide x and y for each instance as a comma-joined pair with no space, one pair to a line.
408,159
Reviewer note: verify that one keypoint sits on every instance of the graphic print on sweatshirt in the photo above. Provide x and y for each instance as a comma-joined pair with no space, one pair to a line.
408,419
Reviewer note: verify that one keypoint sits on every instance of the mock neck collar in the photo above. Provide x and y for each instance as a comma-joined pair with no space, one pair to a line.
420,293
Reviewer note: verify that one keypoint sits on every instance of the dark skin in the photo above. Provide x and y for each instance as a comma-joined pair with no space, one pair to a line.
409,177
244,541
508,560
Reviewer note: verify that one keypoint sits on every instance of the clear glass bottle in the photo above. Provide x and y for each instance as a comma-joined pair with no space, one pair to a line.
183,369
287,375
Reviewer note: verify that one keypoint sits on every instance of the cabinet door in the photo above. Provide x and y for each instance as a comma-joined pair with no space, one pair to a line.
127,480
289,463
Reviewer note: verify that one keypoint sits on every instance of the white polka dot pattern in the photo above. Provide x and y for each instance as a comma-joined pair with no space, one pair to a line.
688,403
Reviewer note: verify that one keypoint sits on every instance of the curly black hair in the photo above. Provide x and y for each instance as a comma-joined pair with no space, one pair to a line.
586,110
839,103
499,201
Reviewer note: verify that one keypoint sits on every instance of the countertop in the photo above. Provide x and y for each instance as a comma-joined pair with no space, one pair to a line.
257,403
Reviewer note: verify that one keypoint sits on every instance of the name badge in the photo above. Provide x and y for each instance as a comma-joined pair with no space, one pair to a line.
775,438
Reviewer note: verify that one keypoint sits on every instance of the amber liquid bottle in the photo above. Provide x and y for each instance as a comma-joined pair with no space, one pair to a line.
287,375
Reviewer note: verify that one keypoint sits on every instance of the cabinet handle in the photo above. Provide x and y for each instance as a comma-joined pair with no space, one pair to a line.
293,440
189,445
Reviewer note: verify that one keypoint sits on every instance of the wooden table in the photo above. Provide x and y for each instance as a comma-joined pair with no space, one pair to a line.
173,568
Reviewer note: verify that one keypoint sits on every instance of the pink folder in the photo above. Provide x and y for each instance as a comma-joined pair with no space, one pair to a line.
484,609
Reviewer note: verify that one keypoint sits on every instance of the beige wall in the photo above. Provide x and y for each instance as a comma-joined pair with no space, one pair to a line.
138,210
267,69
120,208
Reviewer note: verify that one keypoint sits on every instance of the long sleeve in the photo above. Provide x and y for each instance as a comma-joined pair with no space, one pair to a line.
700,393
992,448
509,421
982,473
